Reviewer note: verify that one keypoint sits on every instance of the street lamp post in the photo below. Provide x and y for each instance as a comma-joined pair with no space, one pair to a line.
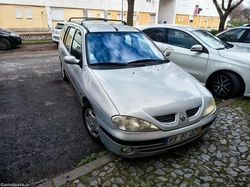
122,11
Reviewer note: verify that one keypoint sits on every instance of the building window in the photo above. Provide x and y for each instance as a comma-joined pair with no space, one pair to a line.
28,13
57,14
109,15
184,3
18,12
135,17
149,1
152,18
118,16
206,5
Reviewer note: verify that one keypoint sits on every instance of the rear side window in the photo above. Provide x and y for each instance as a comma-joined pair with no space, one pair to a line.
180,39
247,38
59,26
232,35
156,34
68,37
76,48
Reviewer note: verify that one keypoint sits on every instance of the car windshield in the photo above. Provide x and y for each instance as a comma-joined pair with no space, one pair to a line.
59,26
121,48
210,39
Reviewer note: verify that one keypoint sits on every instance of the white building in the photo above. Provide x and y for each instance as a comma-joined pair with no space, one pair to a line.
44,14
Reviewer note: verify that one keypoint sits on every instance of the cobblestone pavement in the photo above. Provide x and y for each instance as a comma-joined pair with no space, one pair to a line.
219,158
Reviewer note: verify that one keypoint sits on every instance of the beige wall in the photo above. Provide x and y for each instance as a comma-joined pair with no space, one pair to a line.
143,18
8,17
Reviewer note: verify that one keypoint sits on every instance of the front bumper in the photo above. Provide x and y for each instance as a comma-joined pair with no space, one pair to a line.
15,41
151,146
55,38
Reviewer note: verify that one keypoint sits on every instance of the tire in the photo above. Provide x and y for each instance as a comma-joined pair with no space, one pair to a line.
4,44
224,85
63,73
89,120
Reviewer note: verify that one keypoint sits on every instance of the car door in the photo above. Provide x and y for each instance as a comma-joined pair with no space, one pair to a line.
76,71
233,36
158,35
180,43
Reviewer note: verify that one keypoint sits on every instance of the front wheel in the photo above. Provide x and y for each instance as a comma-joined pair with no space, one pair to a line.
89,119
224,85
4,44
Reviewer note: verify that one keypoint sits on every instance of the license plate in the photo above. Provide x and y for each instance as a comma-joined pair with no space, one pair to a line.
183,136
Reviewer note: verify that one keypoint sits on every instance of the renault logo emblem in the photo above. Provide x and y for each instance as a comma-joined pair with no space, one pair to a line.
182,117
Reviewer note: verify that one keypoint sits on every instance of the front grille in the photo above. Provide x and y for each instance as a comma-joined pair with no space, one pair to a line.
166,118
192,112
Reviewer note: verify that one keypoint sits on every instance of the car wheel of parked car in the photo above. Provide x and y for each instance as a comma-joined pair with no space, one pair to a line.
4,44
89,119
224,85
64,74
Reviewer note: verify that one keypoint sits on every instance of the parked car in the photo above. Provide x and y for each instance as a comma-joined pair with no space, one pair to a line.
223,68
134,100
9,39
238,36
56,32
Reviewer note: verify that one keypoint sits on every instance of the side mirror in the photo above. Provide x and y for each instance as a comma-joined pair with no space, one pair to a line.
197,48
167,52
71,60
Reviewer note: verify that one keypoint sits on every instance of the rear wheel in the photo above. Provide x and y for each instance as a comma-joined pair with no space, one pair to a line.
89,119
4,44
224,84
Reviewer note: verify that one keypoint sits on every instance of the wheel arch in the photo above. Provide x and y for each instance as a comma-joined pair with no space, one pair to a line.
226,70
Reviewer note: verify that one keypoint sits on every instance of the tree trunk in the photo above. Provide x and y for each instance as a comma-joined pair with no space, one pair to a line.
130,17
222,23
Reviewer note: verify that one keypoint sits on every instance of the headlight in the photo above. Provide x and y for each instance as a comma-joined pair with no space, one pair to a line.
133,124
14,35
210,107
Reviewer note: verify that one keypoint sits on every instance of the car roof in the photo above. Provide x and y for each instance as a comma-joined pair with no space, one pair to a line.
173,26
103,25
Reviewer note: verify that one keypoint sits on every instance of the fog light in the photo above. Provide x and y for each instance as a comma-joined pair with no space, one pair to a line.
127,150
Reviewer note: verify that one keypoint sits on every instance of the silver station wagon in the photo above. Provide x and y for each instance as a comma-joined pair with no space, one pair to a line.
134,100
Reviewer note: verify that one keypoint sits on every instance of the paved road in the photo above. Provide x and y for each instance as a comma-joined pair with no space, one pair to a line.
220,158
41,134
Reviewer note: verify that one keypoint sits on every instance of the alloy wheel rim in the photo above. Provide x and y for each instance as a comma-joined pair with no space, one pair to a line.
222,85
90,120
2,45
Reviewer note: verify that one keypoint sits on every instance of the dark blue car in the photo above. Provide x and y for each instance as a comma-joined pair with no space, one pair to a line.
9,39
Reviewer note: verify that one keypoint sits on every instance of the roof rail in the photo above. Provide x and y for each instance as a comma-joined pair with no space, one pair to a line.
96,19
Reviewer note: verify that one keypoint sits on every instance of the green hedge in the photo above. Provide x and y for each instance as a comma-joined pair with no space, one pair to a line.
214,32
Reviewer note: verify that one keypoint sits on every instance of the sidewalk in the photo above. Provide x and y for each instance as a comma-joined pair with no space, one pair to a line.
220,158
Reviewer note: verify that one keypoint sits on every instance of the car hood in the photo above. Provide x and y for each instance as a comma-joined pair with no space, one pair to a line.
239,54
153,90
2,31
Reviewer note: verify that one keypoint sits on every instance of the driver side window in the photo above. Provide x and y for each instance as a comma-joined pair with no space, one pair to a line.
181,39
232,35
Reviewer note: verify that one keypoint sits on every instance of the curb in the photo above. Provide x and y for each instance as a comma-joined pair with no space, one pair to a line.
74,174
87,168
227,102
32,55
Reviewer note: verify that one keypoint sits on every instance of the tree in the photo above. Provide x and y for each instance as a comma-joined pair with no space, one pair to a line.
236,14
246,14
224,11
130,17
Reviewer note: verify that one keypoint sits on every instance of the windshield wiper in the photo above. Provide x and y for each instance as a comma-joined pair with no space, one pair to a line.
148,60
109,64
